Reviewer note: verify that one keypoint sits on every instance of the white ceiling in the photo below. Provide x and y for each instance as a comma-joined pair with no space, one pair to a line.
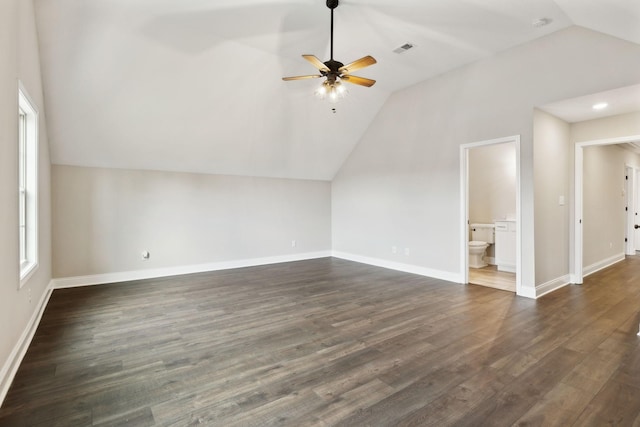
196,85
619,101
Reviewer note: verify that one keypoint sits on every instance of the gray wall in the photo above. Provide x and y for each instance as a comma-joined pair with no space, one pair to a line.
19,60
603,202
553,172
607,127
401,185
105,218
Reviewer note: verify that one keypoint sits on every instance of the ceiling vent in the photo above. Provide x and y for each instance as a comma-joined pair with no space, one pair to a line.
540,22
405,47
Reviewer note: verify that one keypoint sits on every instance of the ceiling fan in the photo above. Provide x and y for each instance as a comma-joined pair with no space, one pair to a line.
336,71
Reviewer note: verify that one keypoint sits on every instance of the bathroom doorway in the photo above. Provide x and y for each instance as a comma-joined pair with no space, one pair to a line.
490,229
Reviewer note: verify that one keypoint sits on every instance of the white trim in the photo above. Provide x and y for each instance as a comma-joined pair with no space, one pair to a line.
629,245
632,174
590,269
10,368
406,268
528,292
552,285
578,271
32,165
610,141
464,211
126,276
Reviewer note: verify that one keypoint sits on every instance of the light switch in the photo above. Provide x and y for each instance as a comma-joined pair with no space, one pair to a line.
561,200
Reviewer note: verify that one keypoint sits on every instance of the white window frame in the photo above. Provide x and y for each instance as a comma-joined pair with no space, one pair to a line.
27,184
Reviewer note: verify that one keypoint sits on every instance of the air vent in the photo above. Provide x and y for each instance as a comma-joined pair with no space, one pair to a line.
405,47
540,22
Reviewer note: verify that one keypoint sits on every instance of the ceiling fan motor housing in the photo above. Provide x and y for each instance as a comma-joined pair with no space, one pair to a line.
332,4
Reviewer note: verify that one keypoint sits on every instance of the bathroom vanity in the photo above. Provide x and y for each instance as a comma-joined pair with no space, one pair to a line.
506,245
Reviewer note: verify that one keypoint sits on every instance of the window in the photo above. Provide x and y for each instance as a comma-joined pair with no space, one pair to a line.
27,184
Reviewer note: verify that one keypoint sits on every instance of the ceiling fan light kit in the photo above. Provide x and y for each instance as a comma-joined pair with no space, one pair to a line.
335,72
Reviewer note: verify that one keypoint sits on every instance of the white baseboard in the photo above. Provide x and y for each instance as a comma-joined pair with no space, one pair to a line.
602,264
126,276
407,268
10,368
552,285
527,292
567,279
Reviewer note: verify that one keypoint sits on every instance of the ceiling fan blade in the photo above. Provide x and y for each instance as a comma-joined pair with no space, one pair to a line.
358,80
286,79
316,62
357,64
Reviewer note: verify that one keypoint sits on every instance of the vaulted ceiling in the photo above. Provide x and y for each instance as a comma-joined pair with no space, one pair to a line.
195,86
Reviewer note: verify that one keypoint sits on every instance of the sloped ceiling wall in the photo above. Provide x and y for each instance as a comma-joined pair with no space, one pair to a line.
196,86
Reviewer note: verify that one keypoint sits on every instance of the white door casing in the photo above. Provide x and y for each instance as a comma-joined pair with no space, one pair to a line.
464,210
636,207
577,249
629,188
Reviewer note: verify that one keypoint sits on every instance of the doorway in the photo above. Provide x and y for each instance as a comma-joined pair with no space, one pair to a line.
512,273
632,220
630,186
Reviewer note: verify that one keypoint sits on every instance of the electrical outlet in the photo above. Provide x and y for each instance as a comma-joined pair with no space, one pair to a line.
29,294
394,249
293,243
407,252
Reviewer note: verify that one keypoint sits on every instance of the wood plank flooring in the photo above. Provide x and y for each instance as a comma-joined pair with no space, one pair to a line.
329,342
491,277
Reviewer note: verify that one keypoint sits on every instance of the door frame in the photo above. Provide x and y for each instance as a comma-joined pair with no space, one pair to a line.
635,219
631,190
577,273
464,207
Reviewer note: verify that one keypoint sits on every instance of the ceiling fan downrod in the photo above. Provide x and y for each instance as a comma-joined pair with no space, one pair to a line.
332,4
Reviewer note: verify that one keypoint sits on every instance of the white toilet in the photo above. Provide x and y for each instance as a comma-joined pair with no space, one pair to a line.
482,235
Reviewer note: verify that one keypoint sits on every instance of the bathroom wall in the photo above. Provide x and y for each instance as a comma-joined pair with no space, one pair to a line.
492,185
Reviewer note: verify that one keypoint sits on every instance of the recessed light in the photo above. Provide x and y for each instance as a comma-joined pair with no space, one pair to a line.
600,106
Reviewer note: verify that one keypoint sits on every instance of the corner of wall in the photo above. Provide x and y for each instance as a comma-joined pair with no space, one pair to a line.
11,365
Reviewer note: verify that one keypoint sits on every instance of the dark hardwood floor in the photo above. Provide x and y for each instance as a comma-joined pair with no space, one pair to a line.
331,342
